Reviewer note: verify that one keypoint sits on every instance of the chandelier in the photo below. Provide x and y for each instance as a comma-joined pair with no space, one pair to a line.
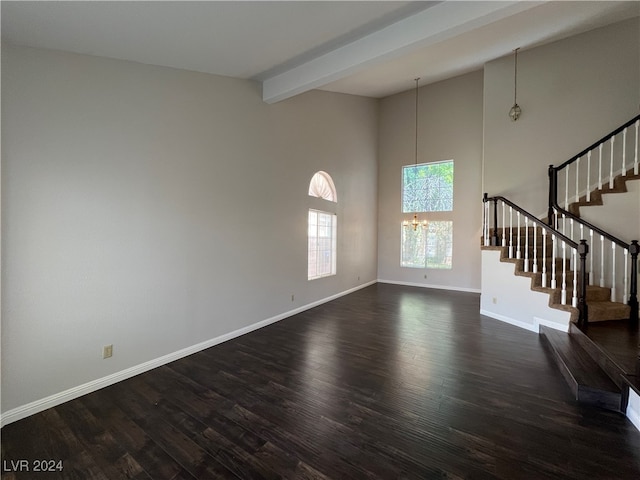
515,111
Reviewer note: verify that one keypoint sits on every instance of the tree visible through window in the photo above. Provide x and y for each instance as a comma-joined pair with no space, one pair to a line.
428,187
430,247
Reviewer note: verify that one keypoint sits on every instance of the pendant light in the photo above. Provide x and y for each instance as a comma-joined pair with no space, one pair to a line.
515,111
414,222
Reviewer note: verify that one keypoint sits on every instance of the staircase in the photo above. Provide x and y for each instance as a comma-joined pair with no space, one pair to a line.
583,269
601,308
596,195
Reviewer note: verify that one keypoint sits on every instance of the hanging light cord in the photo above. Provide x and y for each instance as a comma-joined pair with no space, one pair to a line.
515,78
416,146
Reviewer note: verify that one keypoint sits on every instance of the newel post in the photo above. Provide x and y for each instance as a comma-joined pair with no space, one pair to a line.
553,194
634,249
494,237
583,308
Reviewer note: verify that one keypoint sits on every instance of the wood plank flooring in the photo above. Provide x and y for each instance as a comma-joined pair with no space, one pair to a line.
388,382
619,339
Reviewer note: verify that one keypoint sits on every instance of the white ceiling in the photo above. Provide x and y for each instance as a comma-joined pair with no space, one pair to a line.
358,47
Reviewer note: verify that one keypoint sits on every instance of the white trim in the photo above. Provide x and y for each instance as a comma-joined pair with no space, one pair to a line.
532,327
426,285
509,320
32,408
632,414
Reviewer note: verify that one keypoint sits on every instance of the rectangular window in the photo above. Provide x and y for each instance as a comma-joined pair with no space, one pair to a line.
430,247
427,187
322,244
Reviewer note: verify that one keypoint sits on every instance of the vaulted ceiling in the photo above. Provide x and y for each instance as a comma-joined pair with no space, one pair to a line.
358,47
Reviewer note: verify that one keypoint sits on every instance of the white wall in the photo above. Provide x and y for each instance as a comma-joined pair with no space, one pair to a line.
450,127
572,93
619,213
153,209
504,296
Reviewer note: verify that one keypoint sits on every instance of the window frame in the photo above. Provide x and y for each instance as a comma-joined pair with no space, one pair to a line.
425,201
320,244
434,217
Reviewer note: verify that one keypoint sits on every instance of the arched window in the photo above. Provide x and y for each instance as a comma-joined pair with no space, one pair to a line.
322,186
322,228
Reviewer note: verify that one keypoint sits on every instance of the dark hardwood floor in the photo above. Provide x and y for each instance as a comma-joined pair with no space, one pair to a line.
619,339
388,382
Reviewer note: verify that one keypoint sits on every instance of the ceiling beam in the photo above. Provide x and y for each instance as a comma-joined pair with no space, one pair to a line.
432,25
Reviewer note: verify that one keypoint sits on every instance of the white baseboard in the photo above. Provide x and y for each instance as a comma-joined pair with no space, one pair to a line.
632,414
24,411
532,327
426,285
512,321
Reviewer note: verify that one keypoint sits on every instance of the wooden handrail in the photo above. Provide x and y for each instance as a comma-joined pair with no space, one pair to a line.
602,140
532,217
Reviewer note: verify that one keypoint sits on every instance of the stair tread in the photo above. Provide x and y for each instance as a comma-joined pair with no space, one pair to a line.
584,369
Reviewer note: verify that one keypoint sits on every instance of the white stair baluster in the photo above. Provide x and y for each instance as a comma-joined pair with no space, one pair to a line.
554,283
613,140
566,188
635,160
484,225
613,272
535,248
504,226
571,228
518,254
544,257
591,274
624,152
574,297
577,179
600,167
510,232
526,244
626,269
602,261
589,176
563,299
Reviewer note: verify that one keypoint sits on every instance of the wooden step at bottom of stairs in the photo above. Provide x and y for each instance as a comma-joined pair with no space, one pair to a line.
614,363
588,382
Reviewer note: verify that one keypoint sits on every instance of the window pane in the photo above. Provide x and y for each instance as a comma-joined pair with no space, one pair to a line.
322,186
427,187
439,244
322,244
413,247
430,247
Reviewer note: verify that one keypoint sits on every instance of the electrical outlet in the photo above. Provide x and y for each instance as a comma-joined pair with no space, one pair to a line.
358,277
292,297
107,351
425,276
494,300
